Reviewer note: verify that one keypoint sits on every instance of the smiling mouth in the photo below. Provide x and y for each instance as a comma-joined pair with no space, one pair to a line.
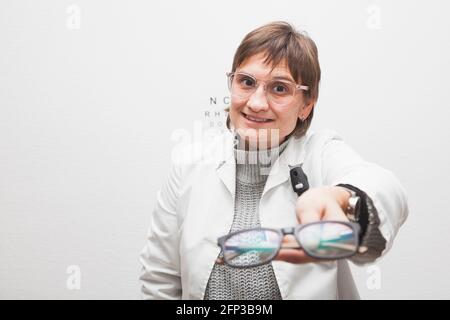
259,120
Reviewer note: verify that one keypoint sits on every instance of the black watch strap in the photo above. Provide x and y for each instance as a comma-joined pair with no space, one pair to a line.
363,215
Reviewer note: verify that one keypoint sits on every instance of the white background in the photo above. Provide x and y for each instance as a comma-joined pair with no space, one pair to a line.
91,92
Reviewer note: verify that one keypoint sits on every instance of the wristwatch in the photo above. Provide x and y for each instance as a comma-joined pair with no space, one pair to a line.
353,206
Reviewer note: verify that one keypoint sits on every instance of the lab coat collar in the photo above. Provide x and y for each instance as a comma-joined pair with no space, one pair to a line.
293,155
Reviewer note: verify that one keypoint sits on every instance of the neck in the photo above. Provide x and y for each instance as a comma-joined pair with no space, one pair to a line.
253,165
244,144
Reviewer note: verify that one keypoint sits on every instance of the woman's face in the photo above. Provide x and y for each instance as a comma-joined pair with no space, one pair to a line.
281,118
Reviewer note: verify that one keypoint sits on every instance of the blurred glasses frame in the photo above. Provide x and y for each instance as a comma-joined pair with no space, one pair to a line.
293,231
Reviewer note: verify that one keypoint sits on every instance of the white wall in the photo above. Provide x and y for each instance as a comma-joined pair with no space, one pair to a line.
87,111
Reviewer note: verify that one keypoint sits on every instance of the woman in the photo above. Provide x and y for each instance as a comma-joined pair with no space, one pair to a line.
274,84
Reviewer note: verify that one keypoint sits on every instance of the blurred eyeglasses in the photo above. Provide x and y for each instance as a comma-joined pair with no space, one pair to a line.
278,91
326,240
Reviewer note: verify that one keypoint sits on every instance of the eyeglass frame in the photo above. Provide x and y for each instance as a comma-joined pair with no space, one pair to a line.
293,231
257,82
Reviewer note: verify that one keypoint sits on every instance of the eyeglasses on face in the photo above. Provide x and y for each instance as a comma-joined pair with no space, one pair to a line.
323,240
278,91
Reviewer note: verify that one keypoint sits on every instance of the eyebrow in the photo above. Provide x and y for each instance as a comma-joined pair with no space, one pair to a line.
284,77
278,77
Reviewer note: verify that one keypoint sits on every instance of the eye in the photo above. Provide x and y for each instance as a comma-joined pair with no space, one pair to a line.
245,81
280,88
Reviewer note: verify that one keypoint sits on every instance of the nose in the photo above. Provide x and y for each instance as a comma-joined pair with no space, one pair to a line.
258,99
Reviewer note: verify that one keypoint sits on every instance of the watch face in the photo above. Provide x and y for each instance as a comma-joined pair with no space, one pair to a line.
356,208
353,208
353,205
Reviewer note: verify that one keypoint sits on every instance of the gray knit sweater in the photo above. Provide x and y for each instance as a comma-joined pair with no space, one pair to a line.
257,283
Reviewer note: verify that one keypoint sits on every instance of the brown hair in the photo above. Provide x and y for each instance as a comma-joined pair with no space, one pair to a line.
280,41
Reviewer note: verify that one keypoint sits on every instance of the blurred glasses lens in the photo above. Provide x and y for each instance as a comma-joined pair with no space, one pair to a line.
253,247
280,92
331,240
320,240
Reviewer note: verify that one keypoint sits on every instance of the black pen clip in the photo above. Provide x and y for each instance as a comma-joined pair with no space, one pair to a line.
299,179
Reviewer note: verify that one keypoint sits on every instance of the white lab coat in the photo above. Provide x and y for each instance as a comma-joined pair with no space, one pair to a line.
195,206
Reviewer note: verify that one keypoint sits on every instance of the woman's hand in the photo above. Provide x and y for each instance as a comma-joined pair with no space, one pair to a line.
316,204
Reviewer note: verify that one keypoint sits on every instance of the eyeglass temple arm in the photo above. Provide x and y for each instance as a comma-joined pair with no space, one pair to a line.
361,248
299,87
292,245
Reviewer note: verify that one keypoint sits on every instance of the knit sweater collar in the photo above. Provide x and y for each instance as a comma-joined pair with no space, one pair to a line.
253,166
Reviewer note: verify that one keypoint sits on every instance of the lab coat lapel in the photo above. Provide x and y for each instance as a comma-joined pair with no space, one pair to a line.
293,155
226,165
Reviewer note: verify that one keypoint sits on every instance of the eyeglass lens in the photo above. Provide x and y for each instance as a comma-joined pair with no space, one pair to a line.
330,240
277,91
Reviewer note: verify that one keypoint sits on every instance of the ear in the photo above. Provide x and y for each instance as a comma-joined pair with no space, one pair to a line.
304,111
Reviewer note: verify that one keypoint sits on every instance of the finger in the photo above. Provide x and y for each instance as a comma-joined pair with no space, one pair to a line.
290,251
308,216
334,212
308,209
294,256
